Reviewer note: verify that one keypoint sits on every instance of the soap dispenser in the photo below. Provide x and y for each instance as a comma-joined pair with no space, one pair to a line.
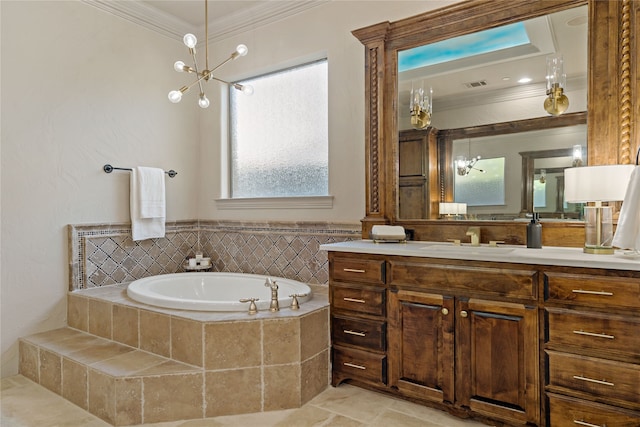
534,232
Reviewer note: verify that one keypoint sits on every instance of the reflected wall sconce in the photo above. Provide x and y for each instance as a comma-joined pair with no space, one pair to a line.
421,106
556,102
543,176
207,74
606,183
577,156
452,210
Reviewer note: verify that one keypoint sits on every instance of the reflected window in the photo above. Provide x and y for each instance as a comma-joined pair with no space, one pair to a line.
483,185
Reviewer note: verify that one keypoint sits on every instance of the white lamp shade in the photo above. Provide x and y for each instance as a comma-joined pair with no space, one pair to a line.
605,183
447,208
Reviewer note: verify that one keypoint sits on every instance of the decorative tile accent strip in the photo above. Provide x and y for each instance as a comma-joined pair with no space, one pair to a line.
104,254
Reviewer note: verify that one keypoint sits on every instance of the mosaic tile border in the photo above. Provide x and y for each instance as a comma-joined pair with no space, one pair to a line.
104,254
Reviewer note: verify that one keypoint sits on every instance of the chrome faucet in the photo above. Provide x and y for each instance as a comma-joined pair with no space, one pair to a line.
274,294
474,232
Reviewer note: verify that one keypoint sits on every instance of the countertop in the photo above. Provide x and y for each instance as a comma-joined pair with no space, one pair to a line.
548,255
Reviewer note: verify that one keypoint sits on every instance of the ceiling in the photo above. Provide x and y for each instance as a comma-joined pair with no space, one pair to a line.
175,18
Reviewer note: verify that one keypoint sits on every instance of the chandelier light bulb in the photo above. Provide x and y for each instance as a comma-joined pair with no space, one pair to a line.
179,66
247,89
175,96
190,40
242,50
203,101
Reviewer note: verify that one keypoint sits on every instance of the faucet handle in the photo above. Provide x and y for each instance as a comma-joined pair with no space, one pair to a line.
294,300
456,242
253,309
494,243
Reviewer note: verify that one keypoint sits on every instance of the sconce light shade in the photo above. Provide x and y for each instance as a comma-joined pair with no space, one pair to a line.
606,183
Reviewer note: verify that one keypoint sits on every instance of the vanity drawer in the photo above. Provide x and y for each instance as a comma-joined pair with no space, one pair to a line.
358,364
368,334
594,331
599,377
355,270
592,291
503,281
568,411
359,299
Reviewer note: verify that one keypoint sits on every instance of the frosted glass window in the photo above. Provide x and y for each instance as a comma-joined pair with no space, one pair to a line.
481,188
539,193
279,135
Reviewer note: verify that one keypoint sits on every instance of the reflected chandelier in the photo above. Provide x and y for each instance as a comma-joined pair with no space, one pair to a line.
207,74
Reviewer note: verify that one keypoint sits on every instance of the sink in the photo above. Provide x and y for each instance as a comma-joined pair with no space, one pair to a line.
469,250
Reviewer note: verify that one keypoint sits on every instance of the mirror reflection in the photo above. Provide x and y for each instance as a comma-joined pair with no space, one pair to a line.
476,80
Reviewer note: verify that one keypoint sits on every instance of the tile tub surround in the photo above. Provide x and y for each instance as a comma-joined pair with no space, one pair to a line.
104,254
130,363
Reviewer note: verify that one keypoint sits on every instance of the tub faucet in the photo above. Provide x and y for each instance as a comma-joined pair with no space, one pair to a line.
274,294
474,232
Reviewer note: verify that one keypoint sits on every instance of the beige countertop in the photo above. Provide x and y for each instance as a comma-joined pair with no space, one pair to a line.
548,255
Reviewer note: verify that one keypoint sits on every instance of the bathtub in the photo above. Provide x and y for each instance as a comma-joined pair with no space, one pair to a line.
213,291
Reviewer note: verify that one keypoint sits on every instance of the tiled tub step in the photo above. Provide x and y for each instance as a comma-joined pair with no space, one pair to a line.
117,383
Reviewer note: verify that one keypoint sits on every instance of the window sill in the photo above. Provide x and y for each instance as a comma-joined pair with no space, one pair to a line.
310,202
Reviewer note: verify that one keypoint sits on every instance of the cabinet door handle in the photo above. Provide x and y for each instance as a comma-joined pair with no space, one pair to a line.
591,380
586,424
602,293
464,313
353,365
592,334
350,332
353,270
445,311
359,301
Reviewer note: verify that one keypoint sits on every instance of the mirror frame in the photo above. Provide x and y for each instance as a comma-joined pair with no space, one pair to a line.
612,110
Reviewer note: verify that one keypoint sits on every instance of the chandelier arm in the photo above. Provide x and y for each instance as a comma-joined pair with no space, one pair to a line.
195,66
206,34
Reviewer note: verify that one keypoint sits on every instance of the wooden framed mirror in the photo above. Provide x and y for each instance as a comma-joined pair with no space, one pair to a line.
612,111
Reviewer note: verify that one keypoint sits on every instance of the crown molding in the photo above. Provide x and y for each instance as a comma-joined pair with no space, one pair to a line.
168,25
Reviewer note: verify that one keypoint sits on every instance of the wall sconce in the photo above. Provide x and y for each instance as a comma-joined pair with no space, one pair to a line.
607,183
577,156
543,176
556,102
449,209
421,106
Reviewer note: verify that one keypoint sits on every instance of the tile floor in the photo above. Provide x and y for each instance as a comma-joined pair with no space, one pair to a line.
26,404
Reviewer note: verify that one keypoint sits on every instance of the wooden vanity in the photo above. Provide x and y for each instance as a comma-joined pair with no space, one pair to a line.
545,338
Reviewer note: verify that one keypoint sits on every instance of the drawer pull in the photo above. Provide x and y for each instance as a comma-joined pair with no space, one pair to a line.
583,423
353,270
350,332
591,380
592,334
353,365
602,293
359,301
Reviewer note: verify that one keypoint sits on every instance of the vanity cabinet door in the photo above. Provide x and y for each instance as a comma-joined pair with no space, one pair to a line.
421,345
496,359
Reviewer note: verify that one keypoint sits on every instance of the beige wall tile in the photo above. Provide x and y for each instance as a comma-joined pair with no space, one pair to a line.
125,325
29,361
155,333
100,318
237,391
314,377
74,382
128,401
77,312
102,396
281,341
314,330
50,370
281,387
186,341
231,345
173,397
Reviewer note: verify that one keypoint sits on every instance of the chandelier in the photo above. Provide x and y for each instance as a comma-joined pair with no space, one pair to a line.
464,165
421,107
207,74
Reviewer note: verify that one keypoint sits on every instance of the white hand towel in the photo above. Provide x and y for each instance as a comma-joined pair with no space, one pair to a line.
627,234
147,203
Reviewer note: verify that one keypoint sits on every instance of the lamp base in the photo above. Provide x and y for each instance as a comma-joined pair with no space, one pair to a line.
598,250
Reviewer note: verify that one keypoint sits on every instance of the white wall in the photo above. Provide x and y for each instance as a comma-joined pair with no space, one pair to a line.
81,88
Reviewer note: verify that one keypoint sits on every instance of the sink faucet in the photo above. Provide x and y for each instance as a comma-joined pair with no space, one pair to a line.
274,294
474,232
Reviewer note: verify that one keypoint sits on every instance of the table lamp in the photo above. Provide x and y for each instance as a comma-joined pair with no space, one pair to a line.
450,208
606,183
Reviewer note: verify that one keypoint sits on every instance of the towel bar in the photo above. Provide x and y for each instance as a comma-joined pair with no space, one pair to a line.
108,169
